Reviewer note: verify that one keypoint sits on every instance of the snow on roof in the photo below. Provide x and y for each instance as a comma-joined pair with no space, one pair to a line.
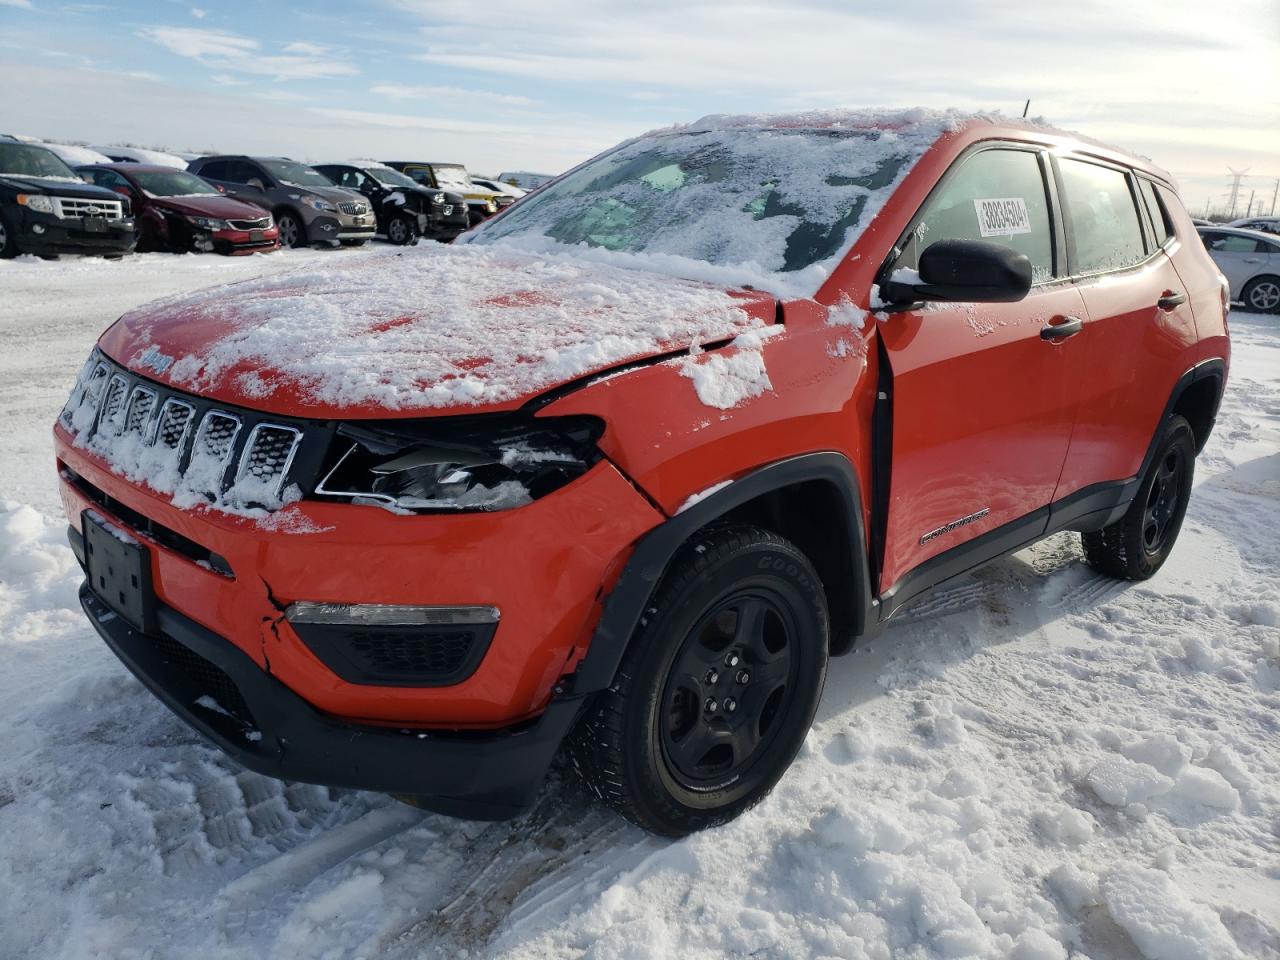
157,158
75,156
437,326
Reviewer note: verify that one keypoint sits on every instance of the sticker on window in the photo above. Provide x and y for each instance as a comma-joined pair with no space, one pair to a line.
1005,217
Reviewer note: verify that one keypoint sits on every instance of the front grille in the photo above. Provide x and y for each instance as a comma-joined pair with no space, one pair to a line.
262,224
174,440
204,679
353,208
69,208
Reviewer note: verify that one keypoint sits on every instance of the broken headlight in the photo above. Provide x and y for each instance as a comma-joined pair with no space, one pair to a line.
459,463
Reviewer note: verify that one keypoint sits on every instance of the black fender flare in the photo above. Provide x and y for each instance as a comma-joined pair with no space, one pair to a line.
1214,368
631,595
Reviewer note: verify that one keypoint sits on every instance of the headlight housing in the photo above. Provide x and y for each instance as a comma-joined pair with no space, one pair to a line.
458,464
208,223
437,198
319,203
36,202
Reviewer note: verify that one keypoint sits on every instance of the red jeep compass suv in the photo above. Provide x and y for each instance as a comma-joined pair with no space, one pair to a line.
625,467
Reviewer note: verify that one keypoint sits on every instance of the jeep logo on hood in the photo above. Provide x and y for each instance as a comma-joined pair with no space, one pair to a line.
154,360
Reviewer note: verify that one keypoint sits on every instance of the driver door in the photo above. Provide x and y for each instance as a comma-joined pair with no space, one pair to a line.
981,407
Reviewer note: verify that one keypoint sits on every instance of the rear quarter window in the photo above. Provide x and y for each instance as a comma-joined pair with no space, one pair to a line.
1104,218
1159,217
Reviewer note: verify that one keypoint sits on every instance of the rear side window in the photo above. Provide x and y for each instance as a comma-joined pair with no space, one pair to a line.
994,195
215,169
1159,218
1233,243
1104,220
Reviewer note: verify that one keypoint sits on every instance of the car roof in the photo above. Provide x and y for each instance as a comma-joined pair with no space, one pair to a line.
1242,231
131,167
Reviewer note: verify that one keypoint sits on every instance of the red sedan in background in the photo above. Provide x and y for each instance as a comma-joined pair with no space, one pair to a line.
179,212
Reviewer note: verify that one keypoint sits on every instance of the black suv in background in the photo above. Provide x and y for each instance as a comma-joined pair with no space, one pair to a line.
308,208
405,209
46,209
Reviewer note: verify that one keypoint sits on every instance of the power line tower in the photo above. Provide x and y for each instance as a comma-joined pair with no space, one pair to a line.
1236,177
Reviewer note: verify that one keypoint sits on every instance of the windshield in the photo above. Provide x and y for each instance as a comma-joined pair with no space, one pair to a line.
19,159
295,174
777,199
389,177
173,184
451,175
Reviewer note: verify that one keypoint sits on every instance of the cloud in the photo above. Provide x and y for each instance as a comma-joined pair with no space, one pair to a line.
400,91
231,51
24,4
198,13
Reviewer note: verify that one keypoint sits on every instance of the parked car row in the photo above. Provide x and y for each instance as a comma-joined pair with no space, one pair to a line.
229,204
1250,260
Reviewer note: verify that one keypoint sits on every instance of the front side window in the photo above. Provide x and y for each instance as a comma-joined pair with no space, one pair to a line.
1104,219
994,195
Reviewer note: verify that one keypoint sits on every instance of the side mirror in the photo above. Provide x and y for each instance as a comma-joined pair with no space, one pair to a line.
964,270
255,183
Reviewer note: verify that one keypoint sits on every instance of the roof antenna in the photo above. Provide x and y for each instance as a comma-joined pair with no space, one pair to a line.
1025,108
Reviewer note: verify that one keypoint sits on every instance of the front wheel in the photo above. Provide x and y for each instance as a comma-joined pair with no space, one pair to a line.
1137,545
8,241
717,689
292,233
1262,294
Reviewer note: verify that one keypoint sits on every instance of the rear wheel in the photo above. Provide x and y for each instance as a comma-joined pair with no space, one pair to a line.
1262,294
718,687
400,230
292,232
1136,545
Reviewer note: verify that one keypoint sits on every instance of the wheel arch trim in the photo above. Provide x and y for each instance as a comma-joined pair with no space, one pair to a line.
630,596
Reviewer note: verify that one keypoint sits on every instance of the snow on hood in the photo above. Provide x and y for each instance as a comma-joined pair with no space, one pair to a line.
437,327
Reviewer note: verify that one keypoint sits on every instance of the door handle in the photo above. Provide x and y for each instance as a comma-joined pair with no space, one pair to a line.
1063,328
1252,259
1168,300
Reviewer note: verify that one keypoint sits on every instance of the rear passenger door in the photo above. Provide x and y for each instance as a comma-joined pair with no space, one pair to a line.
981,409
1139,335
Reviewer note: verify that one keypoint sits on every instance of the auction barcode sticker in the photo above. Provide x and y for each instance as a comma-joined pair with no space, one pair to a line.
1003,217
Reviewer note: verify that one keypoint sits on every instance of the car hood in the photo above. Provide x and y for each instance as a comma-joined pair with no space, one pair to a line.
334,195
223,208
60,188
436,329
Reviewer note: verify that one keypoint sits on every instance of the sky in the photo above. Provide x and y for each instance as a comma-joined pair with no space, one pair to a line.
504,85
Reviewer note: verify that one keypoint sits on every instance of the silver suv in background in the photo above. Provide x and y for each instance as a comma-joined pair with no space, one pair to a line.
308,208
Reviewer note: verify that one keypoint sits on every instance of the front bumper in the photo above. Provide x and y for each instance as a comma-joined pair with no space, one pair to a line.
43,234
235,242
260,723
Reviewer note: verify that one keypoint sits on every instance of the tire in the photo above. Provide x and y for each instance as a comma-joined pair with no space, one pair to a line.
1262,294
717,689
1137,545
293,233
401,231
8,240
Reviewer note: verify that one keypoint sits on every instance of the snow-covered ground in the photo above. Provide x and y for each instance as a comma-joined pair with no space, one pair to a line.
1034,763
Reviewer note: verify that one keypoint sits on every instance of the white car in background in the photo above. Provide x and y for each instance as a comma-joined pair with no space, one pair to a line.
1250,260
1265,224
497,186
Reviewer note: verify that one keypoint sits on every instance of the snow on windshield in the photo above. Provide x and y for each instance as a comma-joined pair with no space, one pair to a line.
781,199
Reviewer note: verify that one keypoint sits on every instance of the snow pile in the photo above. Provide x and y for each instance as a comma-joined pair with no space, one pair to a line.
780,199
433,327
138,155
74,156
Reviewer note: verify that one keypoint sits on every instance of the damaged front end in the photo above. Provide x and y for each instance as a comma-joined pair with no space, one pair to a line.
495,462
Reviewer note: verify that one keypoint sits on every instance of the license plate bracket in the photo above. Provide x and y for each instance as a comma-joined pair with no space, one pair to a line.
119,569
95,224
256,236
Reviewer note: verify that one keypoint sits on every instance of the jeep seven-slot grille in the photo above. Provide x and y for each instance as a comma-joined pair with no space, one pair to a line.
145,429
